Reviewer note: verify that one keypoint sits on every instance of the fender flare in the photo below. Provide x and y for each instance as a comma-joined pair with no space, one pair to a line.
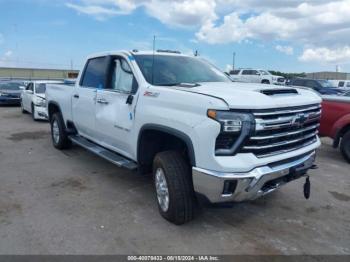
55,104
171,131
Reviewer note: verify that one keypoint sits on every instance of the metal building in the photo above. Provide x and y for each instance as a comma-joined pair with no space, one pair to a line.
329,75
36,73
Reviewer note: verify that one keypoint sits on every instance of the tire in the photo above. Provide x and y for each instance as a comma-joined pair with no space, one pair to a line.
22,109
345,146
59,135
265,82
33,112
178,184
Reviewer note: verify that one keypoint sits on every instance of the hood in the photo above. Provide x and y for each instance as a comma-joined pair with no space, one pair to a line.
255,96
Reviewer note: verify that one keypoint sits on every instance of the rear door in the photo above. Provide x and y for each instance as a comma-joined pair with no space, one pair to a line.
84,97
115,107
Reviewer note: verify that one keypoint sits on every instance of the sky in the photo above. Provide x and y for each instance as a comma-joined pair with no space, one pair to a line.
283,35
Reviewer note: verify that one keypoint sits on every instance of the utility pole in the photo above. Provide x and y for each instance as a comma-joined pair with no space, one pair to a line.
233,60
71,64
154,50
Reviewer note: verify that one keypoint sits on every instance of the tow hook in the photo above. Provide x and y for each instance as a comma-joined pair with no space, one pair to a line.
307,187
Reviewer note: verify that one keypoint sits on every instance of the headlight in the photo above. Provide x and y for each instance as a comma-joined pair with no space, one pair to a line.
231,122
235,130
40,102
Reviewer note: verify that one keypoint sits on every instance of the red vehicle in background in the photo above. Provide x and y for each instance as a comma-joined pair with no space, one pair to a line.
335,122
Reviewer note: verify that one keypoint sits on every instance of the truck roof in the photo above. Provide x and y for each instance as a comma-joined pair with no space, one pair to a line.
137,52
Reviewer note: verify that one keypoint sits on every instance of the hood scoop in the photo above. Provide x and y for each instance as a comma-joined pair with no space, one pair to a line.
275,92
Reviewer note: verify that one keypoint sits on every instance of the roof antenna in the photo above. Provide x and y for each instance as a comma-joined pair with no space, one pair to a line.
154,48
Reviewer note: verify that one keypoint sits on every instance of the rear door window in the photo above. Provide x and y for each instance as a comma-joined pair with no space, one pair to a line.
95,73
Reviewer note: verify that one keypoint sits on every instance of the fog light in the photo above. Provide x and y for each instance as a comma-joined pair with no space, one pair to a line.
229,187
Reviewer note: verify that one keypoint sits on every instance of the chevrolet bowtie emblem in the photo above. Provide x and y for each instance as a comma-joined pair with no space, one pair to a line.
299,119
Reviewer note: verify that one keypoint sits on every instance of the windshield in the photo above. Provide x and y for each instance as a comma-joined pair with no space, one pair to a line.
40,88
10,86
173,70
325,83
264,72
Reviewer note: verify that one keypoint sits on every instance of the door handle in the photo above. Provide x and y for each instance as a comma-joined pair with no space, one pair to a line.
102,101
76,96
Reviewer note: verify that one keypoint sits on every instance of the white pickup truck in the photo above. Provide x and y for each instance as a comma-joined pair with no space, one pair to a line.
203,136
256,76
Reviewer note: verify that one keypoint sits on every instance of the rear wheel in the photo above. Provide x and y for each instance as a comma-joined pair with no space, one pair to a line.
345,146
59,135
174,189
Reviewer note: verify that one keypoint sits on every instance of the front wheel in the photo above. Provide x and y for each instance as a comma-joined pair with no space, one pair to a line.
22,108
345,146
174,189
59,135
33,113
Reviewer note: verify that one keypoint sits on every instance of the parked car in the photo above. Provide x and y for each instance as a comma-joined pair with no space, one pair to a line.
33,98
335,122
256,76
183,120
10,93
344,84
347,94
323,87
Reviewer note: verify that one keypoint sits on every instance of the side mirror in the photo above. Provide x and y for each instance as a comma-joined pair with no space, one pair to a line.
126,68
21,87
257,73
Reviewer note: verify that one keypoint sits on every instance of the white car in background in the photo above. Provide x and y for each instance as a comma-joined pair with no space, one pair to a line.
344,84
33,98
256,76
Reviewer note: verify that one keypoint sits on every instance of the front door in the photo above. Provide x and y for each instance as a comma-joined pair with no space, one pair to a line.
115,108
84,96
27,97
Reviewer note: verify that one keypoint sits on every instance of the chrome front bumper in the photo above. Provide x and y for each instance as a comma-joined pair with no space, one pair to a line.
251,185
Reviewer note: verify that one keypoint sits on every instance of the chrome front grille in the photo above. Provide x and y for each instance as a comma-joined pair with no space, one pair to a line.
282,130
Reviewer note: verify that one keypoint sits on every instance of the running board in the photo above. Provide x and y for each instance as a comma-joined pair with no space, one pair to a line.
110,156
